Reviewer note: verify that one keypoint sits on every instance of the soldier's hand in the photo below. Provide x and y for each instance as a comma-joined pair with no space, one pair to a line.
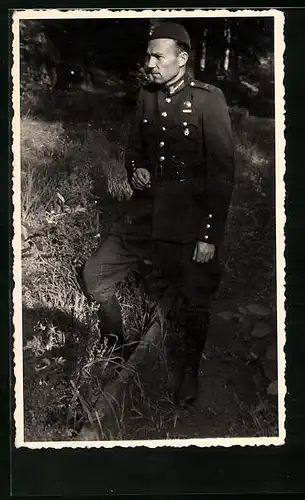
203,252
141,179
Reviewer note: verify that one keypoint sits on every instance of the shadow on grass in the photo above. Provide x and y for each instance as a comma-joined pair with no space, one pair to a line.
55,351
71,108
52,333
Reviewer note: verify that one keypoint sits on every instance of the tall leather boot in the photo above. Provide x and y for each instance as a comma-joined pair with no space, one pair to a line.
111,325
196,329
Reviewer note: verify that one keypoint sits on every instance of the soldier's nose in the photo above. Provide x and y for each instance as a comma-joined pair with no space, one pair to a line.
150,64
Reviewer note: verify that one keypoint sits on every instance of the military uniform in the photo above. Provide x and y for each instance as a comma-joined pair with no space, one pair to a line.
182,135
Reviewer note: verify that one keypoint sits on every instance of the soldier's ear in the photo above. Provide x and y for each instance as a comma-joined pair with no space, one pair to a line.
183,58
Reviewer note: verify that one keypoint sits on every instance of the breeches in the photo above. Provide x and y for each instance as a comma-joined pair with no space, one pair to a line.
119,255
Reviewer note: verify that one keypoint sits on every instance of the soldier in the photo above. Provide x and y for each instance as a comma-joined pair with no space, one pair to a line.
180,164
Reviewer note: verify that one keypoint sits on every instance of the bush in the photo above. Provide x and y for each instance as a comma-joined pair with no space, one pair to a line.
255,150
37,59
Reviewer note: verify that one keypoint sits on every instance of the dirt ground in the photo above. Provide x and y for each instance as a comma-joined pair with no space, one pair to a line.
232,399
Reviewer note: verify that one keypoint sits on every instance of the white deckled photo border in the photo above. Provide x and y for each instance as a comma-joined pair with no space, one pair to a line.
279,47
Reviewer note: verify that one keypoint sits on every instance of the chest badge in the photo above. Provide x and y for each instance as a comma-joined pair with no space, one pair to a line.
187,105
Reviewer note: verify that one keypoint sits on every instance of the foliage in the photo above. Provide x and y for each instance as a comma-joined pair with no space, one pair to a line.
37,57
50,50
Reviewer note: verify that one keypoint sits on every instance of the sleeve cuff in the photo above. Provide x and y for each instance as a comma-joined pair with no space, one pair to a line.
212,230
130,168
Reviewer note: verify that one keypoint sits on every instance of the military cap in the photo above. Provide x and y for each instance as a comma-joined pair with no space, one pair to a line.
171,30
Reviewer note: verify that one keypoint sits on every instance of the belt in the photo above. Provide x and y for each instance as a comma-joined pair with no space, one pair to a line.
177,172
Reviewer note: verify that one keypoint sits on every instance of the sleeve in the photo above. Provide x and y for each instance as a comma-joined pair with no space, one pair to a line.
134,151
220,165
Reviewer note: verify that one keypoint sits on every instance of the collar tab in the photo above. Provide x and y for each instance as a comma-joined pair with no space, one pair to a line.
175,87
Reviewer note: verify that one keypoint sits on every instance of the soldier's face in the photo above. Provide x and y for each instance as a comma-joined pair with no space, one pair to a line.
163,60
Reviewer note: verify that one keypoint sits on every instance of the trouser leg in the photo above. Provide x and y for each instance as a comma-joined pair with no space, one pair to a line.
111,264
110,318
197,283
196,331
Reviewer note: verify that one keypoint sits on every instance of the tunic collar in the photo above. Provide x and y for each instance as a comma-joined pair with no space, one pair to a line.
177,86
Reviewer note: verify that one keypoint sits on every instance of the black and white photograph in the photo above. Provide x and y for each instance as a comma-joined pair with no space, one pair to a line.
148,191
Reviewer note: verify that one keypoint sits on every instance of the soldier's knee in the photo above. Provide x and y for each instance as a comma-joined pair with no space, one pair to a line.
96,283
90,277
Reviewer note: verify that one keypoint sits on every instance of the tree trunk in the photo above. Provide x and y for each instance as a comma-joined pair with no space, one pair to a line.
227,35
204,50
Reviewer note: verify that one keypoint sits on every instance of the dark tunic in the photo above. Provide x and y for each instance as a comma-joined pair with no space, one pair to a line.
185,141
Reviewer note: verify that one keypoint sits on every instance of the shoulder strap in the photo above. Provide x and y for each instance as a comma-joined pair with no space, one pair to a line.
200,85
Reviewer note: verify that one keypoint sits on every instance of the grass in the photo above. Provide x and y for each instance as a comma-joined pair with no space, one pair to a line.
63,174
66,168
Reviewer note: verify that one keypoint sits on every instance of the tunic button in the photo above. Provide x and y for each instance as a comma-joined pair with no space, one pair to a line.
208,226
163,128
164,114
206,237
168,99
144,121
161,144
210,216
185,124
192,84
162,158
